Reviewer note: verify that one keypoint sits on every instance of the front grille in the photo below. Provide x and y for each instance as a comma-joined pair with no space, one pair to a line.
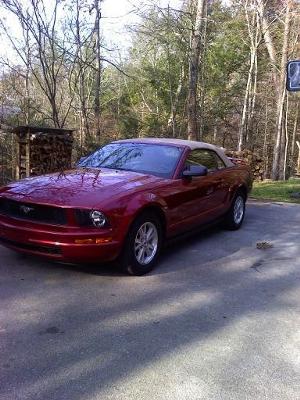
32,247
32,212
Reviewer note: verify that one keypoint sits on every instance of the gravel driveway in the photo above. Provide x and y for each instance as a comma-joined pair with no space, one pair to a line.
218,319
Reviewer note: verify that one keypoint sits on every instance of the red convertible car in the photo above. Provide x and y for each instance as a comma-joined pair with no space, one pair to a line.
123,202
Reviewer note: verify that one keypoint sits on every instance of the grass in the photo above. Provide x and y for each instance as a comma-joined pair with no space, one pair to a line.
277,191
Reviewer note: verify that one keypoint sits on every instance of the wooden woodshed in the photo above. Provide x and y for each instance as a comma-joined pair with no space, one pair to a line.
42,150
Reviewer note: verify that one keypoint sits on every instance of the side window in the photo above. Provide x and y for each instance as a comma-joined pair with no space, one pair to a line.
207,158
220,162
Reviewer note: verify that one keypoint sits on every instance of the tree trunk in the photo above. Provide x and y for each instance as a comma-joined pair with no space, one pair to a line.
194,59
268,40
254,33
295,127
245,113
279,83
265,145
286,135
84,123
98,68
279,147
202,80
175,102
298,163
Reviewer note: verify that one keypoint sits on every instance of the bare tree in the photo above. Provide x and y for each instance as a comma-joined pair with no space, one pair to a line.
279,82
254,34
97,35
83,59
194,59
278,167
48,56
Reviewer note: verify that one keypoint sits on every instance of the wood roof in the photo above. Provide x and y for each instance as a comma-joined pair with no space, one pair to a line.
40,129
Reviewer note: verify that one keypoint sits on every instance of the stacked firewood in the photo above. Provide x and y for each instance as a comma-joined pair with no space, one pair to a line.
48,153
253,159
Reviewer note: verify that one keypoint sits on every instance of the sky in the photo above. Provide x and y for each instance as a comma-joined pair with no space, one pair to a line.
116,15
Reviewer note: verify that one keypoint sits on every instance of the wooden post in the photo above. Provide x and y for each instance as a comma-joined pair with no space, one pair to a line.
18,159
27,159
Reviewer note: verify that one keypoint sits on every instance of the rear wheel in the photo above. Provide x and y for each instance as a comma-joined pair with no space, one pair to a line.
236,214
142,246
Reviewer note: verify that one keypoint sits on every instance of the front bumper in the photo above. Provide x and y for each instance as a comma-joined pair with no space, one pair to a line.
68,244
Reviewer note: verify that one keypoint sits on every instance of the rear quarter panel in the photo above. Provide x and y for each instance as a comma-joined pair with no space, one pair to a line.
237,177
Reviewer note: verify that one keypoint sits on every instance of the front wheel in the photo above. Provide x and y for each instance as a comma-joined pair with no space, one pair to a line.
236,214
142,246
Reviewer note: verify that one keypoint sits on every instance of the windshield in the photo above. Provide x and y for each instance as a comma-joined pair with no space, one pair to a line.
153,159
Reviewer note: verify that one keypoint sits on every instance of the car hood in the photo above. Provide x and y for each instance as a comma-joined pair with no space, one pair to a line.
77,188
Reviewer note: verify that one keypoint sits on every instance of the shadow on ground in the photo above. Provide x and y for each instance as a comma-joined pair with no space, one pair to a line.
197,327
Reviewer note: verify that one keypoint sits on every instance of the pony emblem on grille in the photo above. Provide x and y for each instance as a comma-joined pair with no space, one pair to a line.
26,210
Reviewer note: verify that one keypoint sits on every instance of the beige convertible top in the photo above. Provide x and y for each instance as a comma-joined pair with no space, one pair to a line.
182,143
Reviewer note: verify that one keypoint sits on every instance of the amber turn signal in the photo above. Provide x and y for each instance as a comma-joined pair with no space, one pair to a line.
93,241
103,240
84,241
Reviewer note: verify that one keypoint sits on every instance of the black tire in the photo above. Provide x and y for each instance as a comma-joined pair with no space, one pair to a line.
233,221
128,260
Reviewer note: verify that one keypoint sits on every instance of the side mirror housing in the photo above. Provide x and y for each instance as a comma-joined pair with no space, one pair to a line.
293,76
81,160
194,170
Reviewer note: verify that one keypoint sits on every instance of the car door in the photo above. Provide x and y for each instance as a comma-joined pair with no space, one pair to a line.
199,199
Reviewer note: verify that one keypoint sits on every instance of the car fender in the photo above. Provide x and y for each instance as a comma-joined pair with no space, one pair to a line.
122,211
145,200
139,203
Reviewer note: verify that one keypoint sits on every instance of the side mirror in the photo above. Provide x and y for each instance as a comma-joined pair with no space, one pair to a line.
194,170
293,76
81,160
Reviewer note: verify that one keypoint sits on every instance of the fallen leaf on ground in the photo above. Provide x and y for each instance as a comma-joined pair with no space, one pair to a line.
263,245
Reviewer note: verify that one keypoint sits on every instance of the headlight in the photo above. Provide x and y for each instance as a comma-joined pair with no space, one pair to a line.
91,218
98,219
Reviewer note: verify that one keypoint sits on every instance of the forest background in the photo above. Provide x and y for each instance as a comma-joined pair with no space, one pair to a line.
206,70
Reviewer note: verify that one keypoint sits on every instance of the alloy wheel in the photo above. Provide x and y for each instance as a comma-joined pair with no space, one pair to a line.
146,243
